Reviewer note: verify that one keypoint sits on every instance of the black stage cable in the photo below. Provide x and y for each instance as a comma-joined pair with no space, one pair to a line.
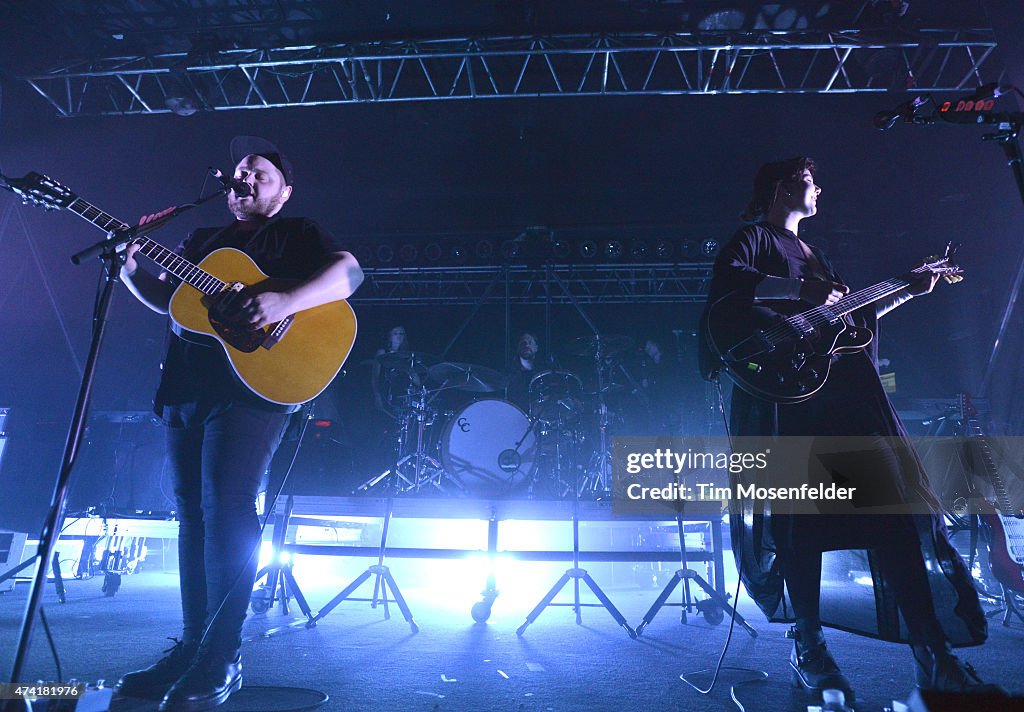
759,675
53,647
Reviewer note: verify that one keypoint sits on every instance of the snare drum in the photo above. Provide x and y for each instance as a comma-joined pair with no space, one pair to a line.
481,447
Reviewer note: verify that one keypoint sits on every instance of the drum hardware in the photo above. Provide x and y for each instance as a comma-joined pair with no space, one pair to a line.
556,406
411,363
597,477
425,469
489,448
467,377
608,346
575,573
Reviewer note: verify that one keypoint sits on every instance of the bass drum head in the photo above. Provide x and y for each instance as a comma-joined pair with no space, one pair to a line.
478,447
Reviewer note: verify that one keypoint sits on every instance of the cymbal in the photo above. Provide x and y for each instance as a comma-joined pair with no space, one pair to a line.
609,388
406,361
610,345
468,377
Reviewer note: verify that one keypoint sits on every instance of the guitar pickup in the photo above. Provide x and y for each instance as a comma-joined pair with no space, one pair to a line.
278,332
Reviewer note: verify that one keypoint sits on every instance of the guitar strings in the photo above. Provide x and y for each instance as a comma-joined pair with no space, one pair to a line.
194,275
827,314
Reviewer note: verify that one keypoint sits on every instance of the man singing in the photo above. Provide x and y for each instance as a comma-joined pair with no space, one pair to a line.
221,436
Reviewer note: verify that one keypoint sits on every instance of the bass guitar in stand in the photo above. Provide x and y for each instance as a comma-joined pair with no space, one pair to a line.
1005,524
782,353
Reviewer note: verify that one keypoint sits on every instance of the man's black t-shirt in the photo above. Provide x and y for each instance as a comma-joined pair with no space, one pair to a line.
196,371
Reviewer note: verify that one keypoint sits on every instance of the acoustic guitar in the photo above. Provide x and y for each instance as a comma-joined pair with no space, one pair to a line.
289,362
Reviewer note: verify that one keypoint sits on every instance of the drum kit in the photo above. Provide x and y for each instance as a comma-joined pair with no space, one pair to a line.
480,444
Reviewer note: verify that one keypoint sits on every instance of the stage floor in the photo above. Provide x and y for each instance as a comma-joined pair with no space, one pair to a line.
364,662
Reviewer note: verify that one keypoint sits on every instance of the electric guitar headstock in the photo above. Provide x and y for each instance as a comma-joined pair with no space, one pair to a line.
943,265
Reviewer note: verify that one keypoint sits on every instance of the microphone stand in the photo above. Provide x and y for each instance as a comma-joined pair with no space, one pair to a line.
112,258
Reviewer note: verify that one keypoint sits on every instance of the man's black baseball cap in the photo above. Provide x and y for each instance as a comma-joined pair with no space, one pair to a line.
242,146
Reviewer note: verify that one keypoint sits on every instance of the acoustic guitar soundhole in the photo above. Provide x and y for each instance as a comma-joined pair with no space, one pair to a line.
227,322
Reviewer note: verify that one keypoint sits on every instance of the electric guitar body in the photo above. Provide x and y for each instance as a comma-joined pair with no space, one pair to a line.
776,353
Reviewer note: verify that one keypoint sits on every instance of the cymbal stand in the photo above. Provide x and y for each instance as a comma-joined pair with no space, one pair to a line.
426,469
597,478
576,574
551,432
396,481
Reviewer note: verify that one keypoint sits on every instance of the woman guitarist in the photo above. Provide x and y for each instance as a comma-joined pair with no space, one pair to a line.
767,263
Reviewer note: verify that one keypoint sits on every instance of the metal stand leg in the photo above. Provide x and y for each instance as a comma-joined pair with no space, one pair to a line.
576,574
711,607
384,580
281,583
481,610
1009,608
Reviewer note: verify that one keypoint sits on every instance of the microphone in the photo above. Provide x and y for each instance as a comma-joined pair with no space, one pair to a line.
885,120
240,187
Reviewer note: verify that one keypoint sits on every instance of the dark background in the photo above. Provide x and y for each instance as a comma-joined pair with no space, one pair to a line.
683,164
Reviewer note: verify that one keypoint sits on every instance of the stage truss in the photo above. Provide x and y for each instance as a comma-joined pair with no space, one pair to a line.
621,64
588,284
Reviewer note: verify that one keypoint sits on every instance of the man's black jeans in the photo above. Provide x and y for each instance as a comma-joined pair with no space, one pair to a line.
218,459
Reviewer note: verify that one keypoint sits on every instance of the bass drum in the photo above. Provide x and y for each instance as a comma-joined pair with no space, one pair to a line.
480,447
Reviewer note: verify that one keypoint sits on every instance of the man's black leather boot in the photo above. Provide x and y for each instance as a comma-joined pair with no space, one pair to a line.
211,679
154,682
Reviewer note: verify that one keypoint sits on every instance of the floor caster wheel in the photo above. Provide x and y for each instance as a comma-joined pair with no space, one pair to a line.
712,612
481,611
261,600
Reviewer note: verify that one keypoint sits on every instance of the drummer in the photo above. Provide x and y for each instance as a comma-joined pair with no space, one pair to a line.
524,368
390,384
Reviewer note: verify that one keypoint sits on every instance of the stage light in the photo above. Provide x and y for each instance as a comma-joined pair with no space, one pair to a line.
560,249
731,19
638,250
459,253
432,252
385,253
663,249
181,105
613,249
407,252
484,250
510,249
709,247
588,249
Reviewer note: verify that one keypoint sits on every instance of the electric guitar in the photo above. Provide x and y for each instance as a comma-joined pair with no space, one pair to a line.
289,362
1006,526
781,354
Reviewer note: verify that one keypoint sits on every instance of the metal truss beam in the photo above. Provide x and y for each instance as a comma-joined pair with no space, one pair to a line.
588,284
764,62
